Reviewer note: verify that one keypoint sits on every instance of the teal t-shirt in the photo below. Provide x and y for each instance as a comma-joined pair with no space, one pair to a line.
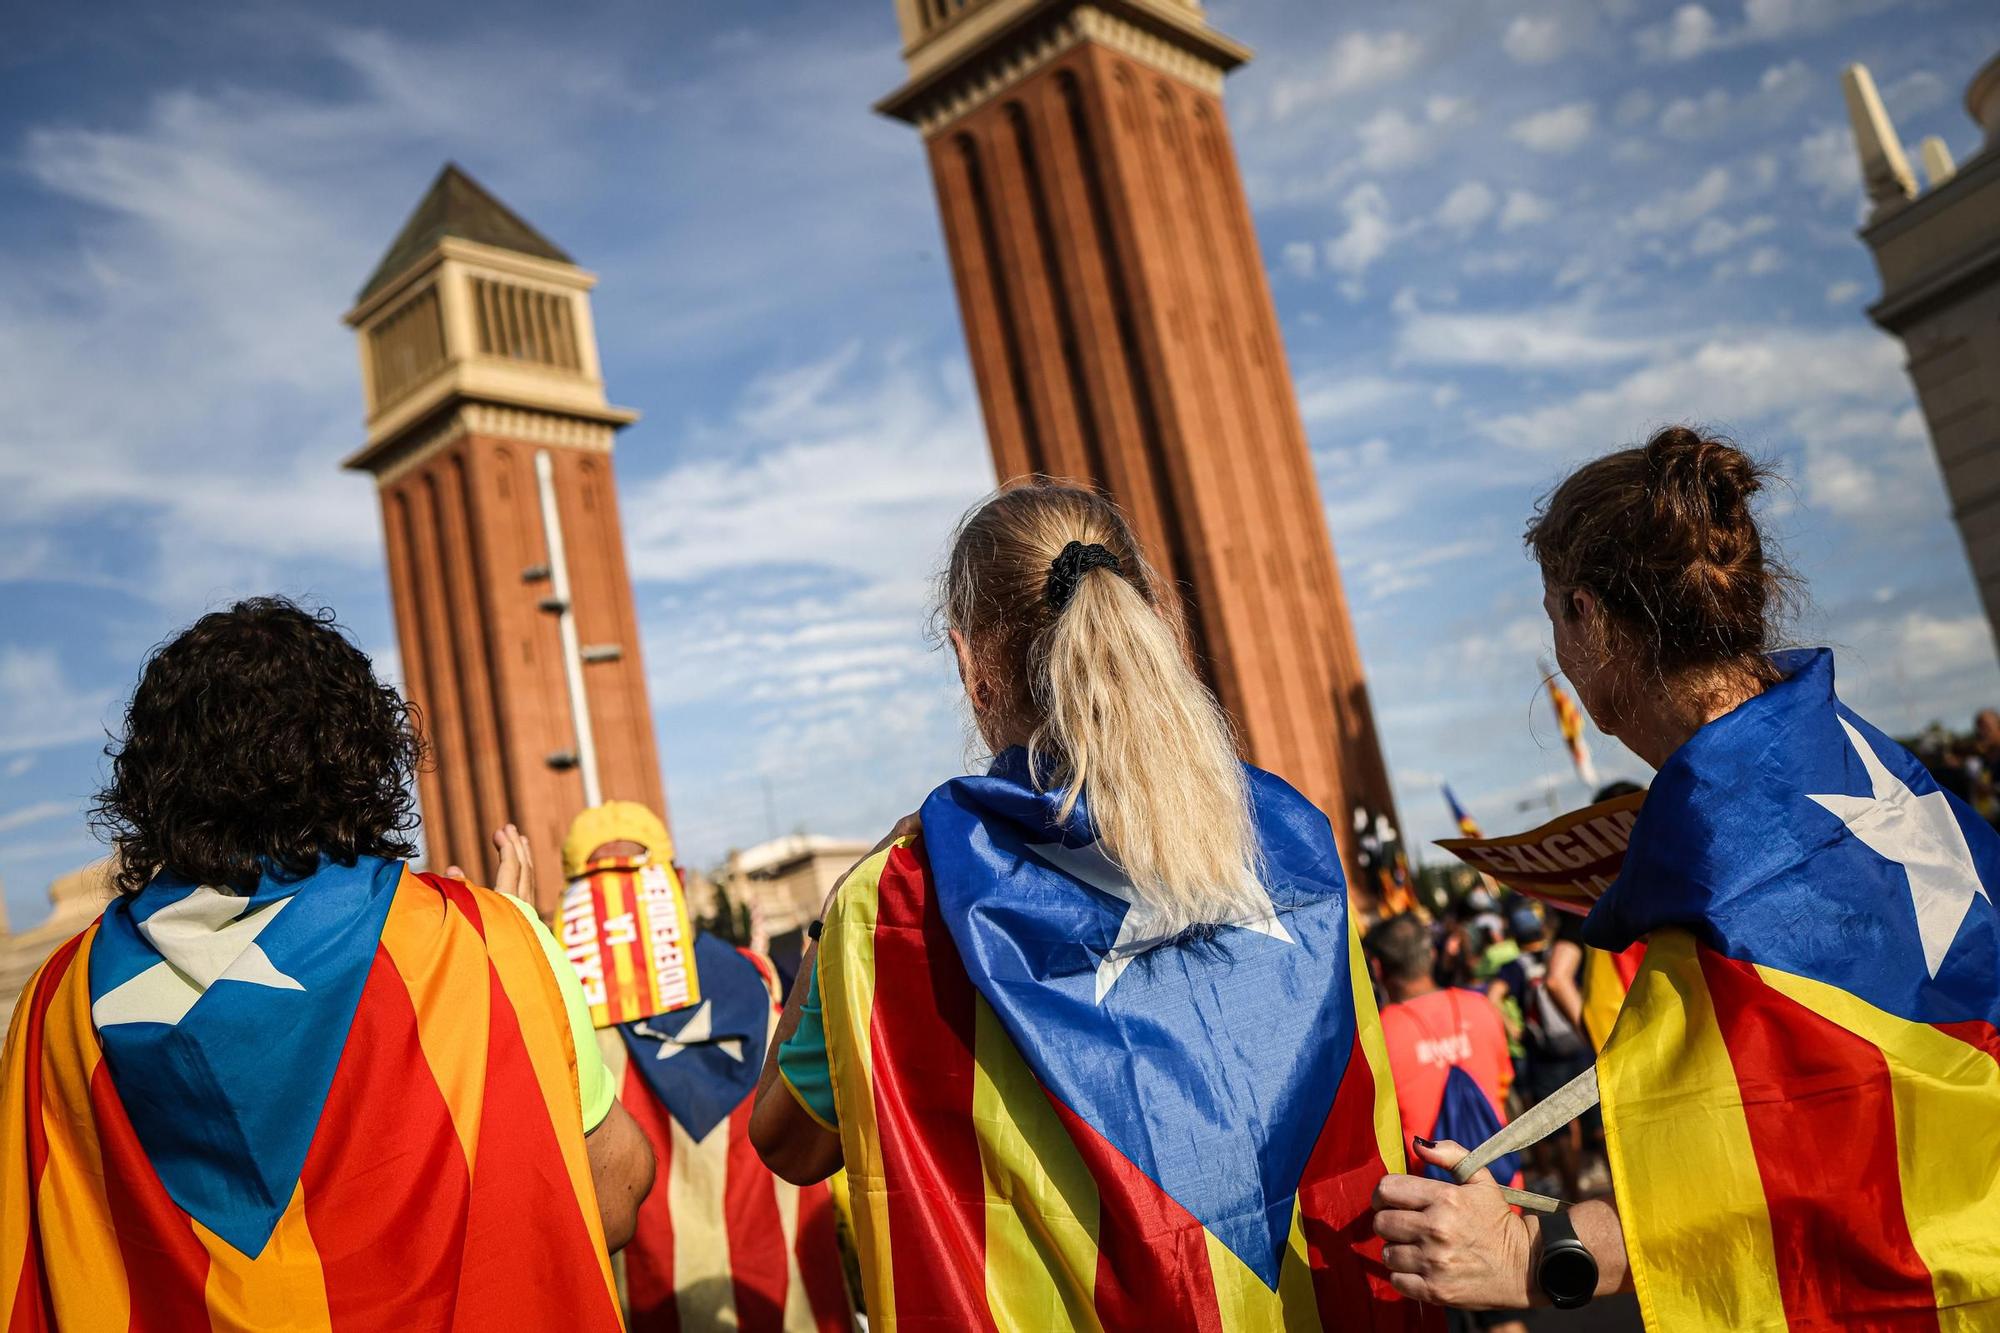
802,1059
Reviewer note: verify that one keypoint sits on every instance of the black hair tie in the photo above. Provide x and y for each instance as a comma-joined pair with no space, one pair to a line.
1067,570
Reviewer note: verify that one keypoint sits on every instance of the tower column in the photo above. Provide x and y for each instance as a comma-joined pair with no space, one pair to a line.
1122,333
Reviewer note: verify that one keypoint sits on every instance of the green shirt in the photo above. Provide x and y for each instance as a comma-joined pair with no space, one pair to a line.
593,1080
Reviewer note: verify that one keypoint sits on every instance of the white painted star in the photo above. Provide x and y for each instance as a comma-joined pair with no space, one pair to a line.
206,937
1141,927
1921,834
699,1030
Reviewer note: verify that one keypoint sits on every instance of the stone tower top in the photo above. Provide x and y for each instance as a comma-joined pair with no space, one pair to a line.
471,304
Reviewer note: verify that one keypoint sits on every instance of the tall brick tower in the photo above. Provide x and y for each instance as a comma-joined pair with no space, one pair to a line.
490,439
1121,332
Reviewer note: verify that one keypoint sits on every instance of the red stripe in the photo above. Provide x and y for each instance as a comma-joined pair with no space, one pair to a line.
1152,1254
529,1258
818,1250
1350,1284
1976,1033
757,1261
1821,1113
34,1306
649,1259
922,1055
385,1174
458,894
1628,962
166,1266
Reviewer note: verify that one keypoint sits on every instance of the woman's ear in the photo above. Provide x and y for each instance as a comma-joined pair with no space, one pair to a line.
1582,604
969,674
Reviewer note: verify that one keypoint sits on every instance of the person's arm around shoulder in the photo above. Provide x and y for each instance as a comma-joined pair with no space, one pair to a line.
797,1144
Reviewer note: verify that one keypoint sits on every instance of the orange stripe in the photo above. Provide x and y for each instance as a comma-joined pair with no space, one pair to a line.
24,1144
282,1290
442,961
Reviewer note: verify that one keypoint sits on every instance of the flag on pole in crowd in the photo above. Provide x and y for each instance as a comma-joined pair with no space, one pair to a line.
721,1242
217,1107
1466,823
1569,718
1801,1094
1015,1162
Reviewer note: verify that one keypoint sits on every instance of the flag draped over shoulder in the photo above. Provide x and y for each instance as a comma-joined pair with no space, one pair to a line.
347,1102
1802,1093
1047,1123
721,1242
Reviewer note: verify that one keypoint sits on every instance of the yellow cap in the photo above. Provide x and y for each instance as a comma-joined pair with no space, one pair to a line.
615,821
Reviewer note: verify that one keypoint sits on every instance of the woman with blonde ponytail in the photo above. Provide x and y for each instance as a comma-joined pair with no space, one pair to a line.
1085,1031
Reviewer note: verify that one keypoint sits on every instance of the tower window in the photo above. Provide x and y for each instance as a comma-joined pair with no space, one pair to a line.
406,346
524,324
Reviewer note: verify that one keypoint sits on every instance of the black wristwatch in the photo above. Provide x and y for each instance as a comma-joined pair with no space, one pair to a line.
1567,1271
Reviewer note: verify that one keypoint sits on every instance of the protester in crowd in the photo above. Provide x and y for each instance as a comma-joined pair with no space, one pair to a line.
1821,953
1085,1031
282,1075
720,1242
1448,1054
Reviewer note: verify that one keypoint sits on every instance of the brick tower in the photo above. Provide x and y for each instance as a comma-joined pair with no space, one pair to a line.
1121,332
490,439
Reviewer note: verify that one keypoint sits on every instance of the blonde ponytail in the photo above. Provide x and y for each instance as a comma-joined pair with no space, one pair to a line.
1114,711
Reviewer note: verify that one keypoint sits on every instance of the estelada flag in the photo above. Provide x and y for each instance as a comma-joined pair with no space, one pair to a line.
345,1102
1053,1119
626,928
1802,1094
1466,823
1569,719
721,1242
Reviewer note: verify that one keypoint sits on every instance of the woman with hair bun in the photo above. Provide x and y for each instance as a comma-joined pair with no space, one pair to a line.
1087,1033
1801,1095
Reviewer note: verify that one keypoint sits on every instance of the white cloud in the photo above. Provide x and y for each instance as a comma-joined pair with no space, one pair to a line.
1468,205
1357,61
1688,33
1675,209
1842,292
1915,92
1536,39
1524,209
1369,233
1826,162
1715,235
41,705
1300,258
1391,141
38,813
1553,337
1633,107
1327,398
1558,130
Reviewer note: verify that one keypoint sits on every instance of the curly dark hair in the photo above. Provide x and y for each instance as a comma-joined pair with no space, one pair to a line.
259,740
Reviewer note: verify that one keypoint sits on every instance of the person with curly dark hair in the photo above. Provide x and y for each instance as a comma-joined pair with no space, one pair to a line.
284,1077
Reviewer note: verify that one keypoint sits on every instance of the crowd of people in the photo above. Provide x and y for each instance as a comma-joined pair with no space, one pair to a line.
1089,1040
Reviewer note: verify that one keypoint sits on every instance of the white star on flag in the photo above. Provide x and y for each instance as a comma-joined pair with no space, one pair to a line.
206,937
1921,834
1141,927
699,1030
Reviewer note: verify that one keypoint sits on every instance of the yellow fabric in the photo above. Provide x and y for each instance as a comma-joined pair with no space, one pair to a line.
1375,1049
1947,1097
615,821
1603,994
282,1288
1041,1266
1697,1230
847,999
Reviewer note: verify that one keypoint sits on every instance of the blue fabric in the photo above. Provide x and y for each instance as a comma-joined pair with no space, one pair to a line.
225,1101
702,1061
803,1059
1731,846
1467,1118
1211,1063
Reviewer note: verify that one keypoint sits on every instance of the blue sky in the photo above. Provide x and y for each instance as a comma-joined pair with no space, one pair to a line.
1501,239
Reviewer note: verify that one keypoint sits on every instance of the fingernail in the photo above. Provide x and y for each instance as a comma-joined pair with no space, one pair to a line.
1424,1143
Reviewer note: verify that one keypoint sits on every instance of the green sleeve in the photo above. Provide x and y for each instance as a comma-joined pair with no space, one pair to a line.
802,1060
592,1079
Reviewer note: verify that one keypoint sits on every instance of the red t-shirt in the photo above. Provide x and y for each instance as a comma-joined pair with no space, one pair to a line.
1427,1036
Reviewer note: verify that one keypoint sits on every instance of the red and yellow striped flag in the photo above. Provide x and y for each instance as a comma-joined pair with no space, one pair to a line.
444,1185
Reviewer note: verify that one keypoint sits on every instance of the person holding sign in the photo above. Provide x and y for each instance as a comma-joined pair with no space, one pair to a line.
1801,1094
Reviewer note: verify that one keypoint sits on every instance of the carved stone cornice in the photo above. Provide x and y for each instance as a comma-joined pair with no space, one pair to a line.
1190,52
493,420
